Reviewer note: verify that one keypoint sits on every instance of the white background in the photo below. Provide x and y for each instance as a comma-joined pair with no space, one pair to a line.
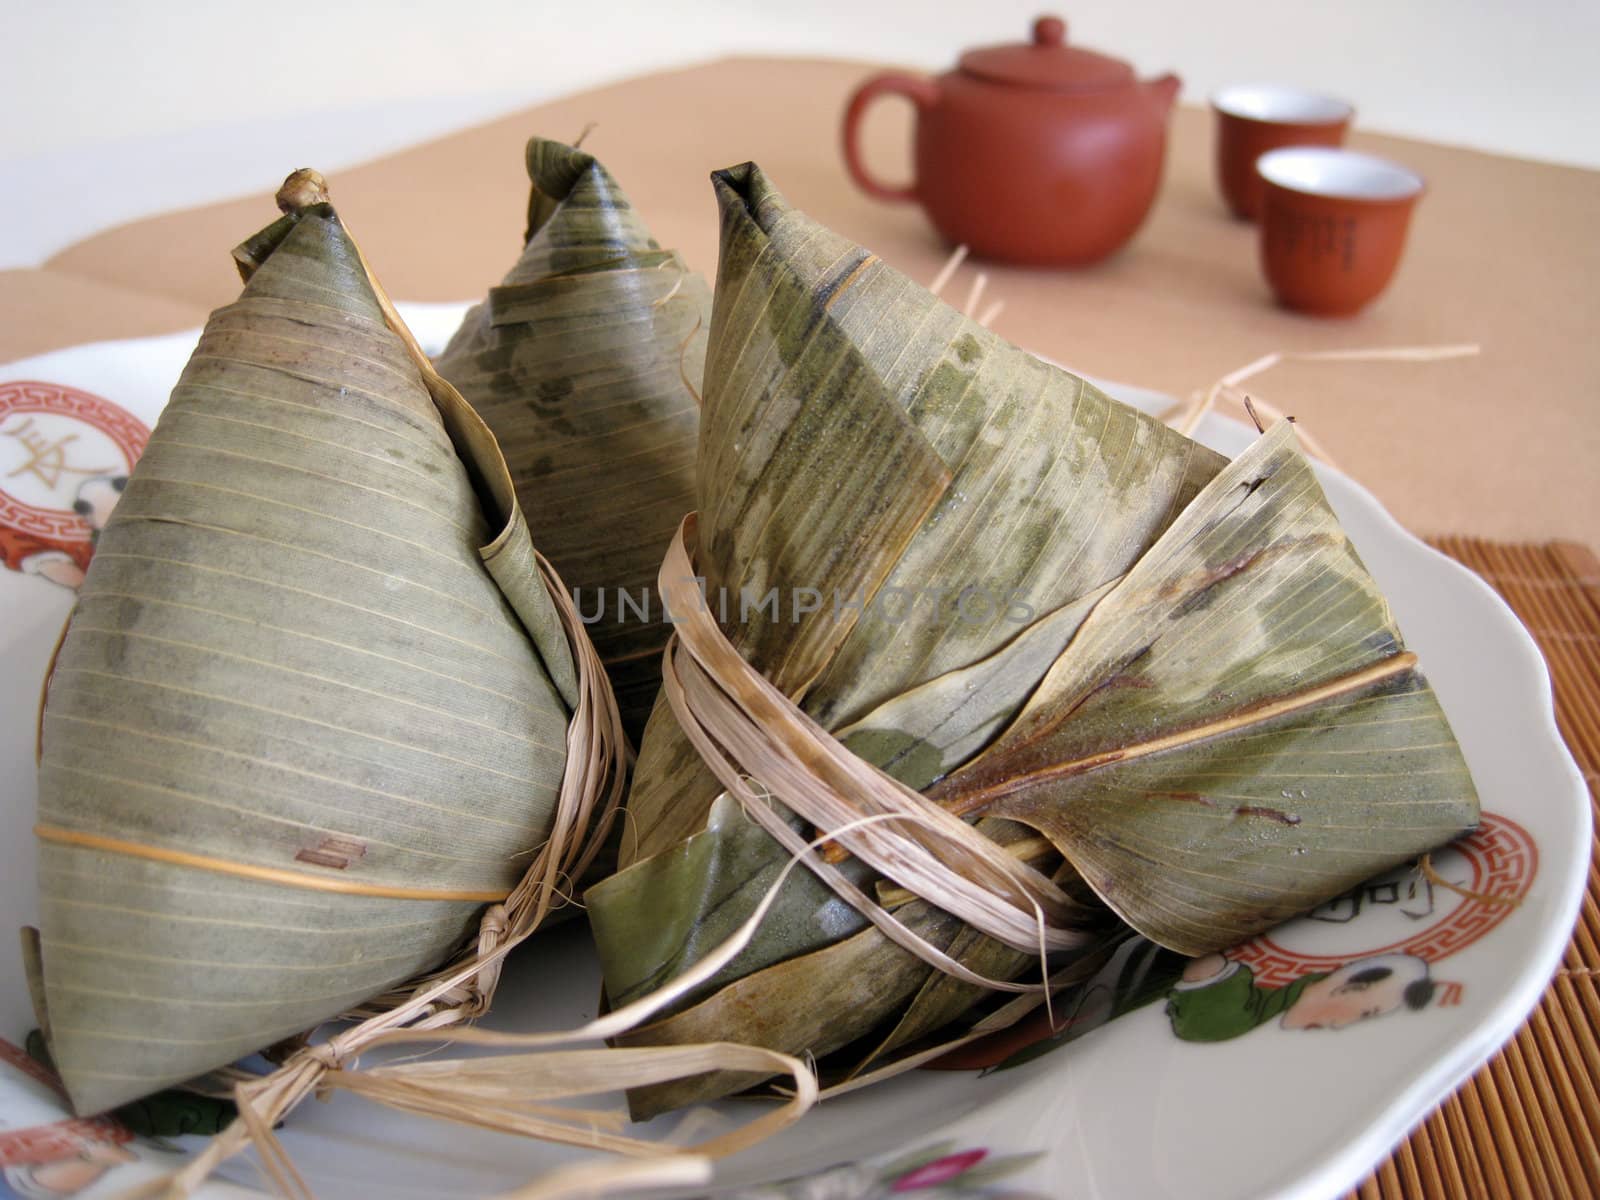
117,109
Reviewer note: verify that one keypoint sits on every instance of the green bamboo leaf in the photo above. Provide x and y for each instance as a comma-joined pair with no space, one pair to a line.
814,989
167,1114
291,662
1236,732
923,734
1055,490
585,362
700,891
815,1002
1138,973
943,998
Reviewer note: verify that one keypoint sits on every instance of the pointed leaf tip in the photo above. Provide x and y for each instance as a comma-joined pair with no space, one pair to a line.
745,189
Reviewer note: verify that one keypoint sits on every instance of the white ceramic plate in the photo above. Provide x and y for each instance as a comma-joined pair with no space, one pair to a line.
1131,1111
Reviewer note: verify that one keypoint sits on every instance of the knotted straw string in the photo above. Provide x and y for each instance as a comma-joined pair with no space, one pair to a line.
1185,416
759,744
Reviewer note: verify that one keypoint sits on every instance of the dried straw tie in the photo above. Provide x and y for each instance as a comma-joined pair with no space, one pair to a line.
760,745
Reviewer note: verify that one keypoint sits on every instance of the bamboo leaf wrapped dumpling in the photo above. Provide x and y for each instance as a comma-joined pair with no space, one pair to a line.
1161,677
310,713
585,362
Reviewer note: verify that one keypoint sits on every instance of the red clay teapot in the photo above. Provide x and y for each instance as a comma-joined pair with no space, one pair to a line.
1038,152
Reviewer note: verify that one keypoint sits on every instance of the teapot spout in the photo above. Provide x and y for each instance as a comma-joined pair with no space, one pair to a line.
1165,89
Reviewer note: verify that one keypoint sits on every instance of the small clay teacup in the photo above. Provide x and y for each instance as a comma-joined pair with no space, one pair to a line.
1256,117
1333,223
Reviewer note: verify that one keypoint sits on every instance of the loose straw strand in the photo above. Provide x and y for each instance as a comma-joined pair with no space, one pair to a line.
746,729
979,283
983,317
1186,416
1430,873
948,271
585,1180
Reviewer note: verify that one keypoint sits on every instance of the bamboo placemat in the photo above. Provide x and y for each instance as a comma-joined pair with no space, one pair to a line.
1528,1123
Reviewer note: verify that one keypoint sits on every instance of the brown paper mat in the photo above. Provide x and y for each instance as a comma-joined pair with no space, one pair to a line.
1502,252
1528,1124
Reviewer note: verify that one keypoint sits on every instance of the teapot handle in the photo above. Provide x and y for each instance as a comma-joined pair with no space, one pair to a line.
921,92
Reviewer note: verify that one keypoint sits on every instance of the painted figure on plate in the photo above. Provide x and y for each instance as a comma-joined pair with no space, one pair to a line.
65,456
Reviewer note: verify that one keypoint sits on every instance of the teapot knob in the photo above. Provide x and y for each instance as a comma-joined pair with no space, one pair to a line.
1049,31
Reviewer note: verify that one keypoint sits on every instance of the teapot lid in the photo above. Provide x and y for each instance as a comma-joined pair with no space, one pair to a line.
1047,62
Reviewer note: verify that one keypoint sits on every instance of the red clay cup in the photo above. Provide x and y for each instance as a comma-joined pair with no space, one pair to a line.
1333,223
1254,118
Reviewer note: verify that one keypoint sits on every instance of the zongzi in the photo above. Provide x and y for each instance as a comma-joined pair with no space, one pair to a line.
586,363
310,712
1164,679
